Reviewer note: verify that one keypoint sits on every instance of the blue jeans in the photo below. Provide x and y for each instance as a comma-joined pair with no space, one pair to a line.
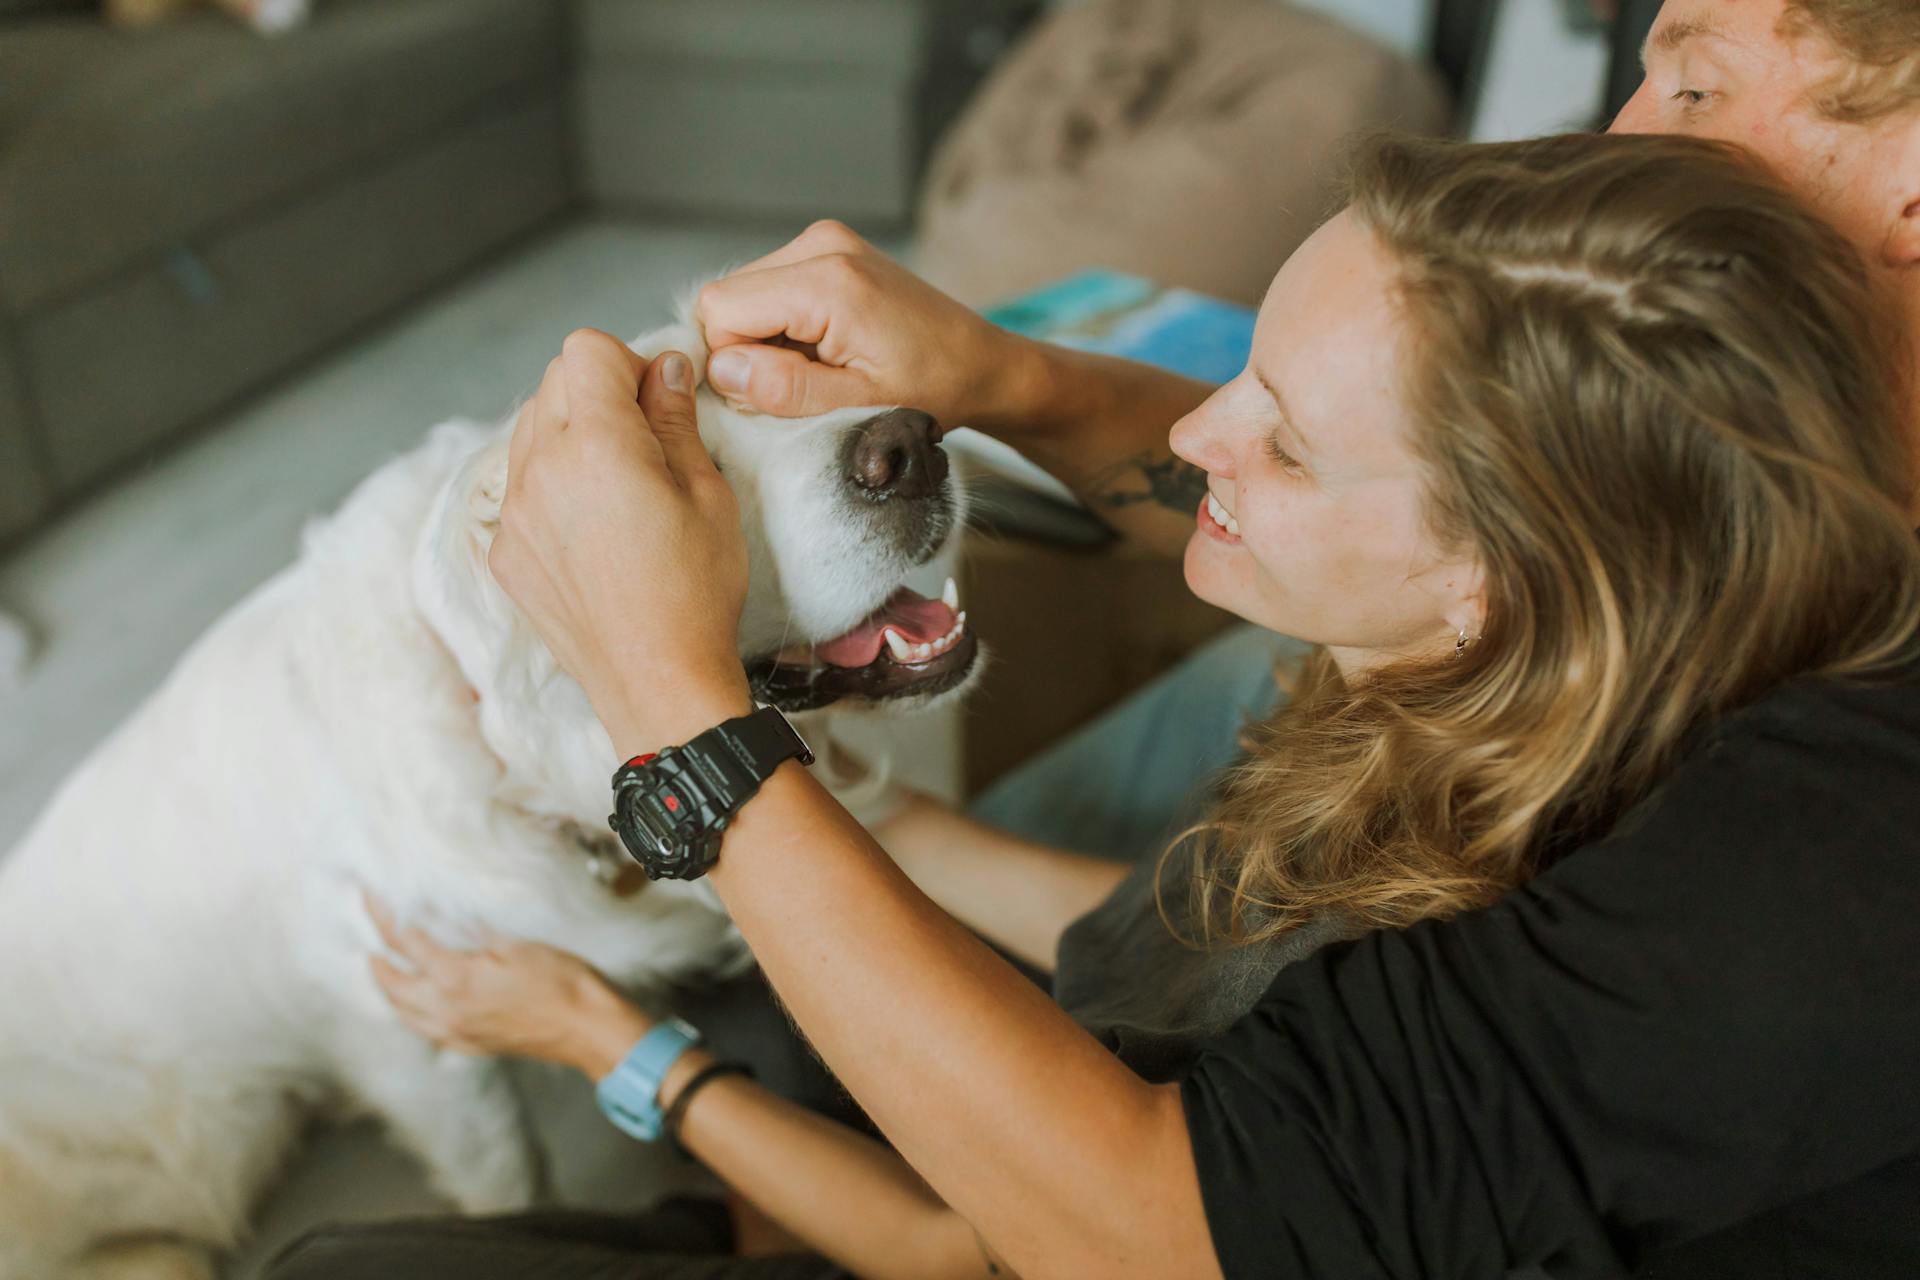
1119,785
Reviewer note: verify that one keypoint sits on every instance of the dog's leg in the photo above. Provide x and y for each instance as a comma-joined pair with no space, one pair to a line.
459,1115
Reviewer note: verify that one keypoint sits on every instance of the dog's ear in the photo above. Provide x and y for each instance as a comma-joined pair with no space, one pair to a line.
486,480
684,337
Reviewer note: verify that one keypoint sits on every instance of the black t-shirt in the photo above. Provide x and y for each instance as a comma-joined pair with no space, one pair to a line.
1691,1049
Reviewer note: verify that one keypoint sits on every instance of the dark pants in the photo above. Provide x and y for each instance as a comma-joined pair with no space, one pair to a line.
681,1239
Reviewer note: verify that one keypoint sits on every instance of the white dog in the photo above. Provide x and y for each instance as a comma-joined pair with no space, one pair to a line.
182,934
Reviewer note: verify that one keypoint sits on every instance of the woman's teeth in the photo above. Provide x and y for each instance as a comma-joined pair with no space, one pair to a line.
1221,516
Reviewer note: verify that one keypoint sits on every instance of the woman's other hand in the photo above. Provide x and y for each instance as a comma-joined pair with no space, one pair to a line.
829,322
514,998
622,544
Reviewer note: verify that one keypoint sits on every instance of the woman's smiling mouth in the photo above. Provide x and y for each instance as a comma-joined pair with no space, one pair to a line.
1217,521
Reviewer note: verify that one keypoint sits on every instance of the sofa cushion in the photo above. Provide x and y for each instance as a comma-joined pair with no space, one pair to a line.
24,492
1193,142
785,108
117,144
189,334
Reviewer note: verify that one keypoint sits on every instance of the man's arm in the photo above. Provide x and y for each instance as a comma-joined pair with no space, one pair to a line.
828,322
1099,425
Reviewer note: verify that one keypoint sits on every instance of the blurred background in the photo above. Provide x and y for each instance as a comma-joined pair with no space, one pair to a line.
251,249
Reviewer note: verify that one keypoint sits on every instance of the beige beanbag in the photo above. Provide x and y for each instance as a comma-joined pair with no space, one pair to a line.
1194,142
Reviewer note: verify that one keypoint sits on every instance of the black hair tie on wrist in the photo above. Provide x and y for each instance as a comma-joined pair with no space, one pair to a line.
676,1110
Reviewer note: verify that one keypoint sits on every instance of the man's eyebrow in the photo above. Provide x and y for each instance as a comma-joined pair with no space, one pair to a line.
1667,38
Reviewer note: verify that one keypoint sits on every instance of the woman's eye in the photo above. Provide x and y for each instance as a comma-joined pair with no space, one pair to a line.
1280,455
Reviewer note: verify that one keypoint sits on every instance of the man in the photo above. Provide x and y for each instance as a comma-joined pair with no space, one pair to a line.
1826,92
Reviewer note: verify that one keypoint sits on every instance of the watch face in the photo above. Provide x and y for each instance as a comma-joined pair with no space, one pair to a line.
665,827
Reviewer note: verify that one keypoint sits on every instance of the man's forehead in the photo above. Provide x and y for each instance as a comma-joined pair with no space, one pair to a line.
1739,22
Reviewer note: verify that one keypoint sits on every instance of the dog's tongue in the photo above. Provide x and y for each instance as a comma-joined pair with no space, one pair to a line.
915,617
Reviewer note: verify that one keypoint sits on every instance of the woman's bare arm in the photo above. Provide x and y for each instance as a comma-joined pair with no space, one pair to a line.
1017,894
837,1191
831,1189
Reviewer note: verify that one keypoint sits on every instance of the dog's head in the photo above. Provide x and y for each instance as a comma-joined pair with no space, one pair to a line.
838,510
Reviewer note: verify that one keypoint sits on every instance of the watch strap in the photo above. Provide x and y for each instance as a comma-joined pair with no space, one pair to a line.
762,741
630,1093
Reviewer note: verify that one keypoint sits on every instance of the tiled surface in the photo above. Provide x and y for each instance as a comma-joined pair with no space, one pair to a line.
113,595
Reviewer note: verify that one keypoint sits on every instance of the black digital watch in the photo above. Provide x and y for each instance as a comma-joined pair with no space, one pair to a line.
671,809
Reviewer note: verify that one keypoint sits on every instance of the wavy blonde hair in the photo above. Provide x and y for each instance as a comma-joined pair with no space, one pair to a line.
1657,400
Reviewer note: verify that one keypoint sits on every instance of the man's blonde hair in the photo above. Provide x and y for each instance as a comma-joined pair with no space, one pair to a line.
1881,41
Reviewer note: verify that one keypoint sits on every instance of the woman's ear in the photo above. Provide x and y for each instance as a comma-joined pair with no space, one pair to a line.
1465,604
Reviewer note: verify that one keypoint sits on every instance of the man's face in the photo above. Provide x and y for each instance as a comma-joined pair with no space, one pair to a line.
1726,69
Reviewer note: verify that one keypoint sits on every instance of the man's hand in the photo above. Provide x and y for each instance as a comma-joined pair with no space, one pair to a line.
829,322
515,998
622,544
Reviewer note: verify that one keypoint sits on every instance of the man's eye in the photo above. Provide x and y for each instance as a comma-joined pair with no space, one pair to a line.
1693,97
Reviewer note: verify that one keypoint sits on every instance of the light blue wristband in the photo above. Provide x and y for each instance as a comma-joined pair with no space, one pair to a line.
630,1093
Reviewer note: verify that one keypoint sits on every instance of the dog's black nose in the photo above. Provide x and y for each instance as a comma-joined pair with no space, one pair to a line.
898,455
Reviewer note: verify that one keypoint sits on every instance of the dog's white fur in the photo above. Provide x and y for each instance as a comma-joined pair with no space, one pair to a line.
182,934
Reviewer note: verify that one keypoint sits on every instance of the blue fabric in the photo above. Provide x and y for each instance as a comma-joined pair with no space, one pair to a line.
1118,786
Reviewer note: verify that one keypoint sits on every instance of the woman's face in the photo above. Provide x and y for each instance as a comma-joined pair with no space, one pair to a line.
1307,454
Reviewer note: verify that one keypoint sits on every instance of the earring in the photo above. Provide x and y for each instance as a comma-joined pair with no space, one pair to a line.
1460,645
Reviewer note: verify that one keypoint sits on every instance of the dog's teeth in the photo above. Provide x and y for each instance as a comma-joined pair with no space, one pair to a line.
921,652
961,624
940,645
950,594
898,646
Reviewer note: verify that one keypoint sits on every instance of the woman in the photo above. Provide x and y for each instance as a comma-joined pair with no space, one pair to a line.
1578,460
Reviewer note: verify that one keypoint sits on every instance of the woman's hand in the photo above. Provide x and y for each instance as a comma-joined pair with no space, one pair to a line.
830,322
622,544
516,998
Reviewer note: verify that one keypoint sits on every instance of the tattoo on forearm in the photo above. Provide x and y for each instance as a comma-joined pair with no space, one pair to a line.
1159,478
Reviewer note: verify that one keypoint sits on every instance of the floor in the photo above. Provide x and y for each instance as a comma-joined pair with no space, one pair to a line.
111,597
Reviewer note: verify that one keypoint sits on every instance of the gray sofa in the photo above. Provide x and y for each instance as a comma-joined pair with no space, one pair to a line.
190,211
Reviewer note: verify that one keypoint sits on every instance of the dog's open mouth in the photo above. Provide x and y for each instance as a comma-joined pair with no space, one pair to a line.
908,646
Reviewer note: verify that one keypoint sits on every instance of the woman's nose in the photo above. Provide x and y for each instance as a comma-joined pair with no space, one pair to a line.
1200,438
